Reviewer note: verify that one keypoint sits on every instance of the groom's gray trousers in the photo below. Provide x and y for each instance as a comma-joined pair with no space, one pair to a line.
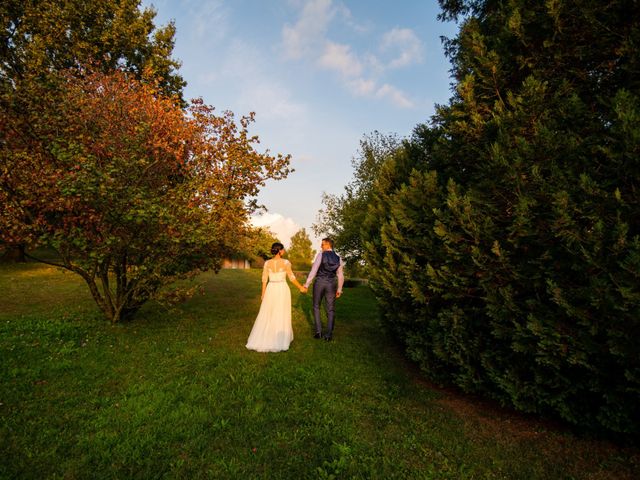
324,287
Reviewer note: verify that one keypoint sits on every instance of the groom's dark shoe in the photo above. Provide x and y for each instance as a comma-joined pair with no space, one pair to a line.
327,338
317,335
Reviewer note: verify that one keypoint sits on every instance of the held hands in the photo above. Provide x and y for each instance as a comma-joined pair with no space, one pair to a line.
338,294
303,289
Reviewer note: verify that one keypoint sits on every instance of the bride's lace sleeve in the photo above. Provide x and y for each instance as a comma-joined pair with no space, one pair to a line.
265,272
289,271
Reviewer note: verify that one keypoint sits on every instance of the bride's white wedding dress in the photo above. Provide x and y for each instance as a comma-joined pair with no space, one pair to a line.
272,331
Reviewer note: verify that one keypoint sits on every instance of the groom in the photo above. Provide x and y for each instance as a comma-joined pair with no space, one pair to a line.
326,267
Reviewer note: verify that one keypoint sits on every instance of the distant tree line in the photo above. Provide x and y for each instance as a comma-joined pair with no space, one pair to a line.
502,239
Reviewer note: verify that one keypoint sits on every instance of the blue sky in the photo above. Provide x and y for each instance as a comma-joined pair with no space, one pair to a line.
319,74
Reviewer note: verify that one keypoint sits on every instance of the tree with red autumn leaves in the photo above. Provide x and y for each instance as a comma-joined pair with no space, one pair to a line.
41,38
129,188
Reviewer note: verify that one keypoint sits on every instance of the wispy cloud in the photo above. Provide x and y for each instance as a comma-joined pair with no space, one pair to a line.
406,44
358,26
211,20
362,87
261,91
299,40
272,101
369,88
341,59
359,72
397,96
256,87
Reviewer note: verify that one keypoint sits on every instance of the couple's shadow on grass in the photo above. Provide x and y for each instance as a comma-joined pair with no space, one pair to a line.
304,303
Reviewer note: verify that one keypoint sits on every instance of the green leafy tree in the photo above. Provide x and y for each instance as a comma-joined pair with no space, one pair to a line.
301,253
132,191
40,38
258,245
343,215
503,240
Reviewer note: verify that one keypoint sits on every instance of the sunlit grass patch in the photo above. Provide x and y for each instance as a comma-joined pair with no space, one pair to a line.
175,394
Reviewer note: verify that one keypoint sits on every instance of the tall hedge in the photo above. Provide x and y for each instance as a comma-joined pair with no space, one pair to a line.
503,239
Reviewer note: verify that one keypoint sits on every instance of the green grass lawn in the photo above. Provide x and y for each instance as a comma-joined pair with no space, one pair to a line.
175,394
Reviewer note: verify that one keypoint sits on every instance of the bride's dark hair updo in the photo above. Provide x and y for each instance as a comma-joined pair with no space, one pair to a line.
276,247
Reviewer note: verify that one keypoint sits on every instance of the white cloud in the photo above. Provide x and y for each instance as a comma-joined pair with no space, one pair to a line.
359,72
258,90
373,64
397,97
362,87
339,57
271,101
283,228
405,44
369,88
298,40
347,17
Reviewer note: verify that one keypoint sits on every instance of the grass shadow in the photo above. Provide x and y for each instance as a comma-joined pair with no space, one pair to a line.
304,304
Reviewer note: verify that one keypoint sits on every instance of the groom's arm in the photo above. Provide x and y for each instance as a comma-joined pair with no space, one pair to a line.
340,274
314,270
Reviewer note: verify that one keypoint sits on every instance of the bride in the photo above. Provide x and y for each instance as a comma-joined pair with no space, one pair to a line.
272,331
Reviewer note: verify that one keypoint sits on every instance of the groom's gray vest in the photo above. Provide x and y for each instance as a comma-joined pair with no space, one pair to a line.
328,265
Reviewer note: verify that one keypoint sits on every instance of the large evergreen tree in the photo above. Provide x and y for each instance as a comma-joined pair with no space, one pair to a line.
504,240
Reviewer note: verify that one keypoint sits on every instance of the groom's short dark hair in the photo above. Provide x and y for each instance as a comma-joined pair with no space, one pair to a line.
329,241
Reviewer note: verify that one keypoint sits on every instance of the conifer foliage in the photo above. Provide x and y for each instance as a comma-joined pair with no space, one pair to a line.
503,240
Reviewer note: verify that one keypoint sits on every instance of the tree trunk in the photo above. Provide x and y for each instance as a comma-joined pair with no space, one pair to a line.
116,306
95,293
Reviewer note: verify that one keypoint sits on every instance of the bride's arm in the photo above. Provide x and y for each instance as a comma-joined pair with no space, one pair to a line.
292,277
265,278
